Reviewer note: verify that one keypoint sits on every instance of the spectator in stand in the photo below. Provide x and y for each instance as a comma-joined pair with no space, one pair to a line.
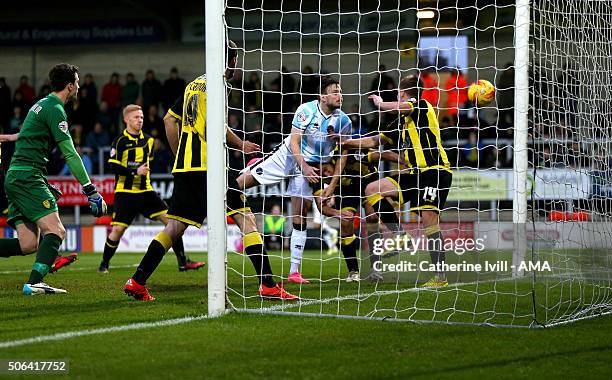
286,83
104,118
95,140
78,137
129,91
111,94
251,118
92,89
162,159
431,92
252,91
6,109
151,90
154,125
273,130
87,109
272,101
86,163
456,88
505,96
309,85
359,122
27,91
173,88
16,121
19,102
384,86
45,90
473,150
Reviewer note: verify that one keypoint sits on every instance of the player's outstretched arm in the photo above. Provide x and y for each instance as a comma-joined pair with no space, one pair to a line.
236,142
7,138
75,164
401,107
362,143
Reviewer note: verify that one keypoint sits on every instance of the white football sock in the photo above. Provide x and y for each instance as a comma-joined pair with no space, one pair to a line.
298,241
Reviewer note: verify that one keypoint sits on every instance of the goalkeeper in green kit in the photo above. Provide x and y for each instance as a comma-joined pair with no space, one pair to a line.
32,201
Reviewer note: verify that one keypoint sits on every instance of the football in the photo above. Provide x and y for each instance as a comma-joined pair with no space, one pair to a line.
481,92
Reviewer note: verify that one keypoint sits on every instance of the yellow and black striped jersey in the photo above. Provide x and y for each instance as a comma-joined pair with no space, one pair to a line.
190,109
127,154
358,164
417,135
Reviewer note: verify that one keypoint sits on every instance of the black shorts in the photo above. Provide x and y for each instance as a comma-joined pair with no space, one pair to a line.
426,190
352,196
128,205
188,204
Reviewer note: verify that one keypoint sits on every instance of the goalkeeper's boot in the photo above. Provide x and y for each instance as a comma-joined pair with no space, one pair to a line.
353,277
297,278
62,261
276,293
40,288
191,265
435,282
139,292
103,268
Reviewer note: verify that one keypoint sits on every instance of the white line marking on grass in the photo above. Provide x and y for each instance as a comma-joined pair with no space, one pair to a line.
104,330
364,296
70,269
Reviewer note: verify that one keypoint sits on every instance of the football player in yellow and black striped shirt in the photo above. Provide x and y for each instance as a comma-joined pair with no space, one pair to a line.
186,130
129,160
426,184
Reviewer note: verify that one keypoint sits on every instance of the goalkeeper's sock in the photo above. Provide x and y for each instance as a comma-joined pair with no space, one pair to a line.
155,253
110,247
348,246
47,252
253,247
298,241
179,251
373,241
435,246
10,247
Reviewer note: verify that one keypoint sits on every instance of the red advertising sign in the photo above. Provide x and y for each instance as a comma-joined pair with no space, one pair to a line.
71,189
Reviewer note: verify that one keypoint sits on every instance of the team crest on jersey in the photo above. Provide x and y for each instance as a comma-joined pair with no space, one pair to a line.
243,198
46,204
63,126
113,152
301,117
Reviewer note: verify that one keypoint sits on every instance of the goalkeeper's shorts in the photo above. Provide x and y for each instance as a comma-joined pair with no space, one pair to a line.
424,190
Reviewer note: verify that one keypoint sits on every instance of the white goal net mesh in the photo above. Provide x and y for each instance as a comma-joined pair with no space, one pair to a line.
287,49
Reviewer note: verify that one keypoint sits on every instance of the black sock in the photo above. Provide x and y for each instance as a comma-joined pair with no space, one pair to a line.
179,251
387,215
110,247
348,246
257,254
10,247
155,253
435,246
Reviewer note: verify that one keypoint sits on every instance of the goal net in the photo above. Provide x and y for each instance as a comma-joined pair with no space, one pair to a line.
560,271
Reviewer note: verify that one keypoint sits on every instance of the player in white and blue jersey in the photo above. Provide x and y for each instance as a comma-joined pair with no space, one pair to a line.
299,158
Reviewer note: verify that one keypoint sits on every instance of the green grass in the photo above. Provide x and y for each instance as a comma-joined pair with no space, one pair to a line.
270,346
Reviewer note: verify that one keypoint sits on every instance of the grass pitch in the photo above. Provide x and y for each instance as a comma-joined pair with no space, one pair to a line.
269,346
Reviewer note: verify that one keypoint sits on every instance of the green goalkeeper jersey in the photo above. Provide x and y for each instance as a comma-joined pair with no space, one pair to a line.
45,126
